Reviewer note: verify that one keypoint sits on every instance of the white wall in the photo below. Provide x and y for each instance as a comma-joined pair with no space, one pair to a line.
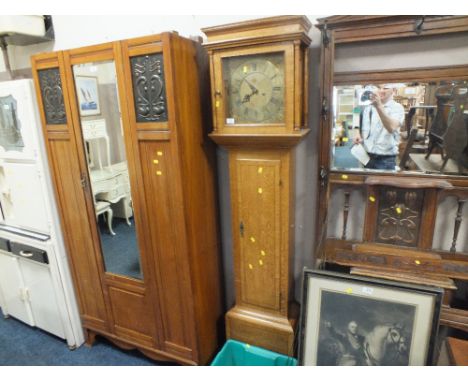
76,31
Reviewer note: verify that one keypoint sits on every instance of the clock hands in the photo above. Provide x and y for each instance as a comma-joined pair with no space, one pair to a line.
248,96
252,87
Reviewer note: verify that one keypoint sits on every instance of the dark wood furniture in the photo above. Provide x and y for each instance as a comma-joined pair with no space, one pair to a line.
173,312
400,209
260,115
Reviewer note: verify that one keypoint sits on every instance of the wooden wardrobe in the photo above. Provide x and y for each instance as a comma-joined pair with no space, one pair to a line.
166,184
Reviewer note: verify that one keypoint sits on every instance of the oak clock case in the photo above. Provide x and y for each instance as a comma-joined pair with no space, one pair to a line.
258,94
120,144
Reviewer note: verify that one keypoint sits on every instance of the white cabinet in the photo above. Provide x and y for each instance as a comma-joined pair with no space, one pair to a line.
22,196
14,292
41,297
36,292
28,292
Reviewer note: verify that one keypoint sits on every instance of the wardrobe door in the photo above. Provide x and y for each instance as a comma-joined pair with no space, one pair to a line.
149,70
107,162
69,184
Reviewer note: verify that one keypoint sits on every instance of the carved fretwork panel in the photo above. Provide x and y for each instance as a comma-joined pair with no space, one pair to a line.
52,96
399,216
149,88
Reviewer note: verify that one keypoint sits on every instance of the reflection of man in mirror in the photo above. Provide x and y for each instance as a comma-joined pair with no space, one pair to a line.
380,128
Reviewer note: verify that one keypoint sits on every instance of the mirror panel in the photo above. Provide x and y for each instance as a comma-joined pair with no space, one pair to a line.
422,127
103,137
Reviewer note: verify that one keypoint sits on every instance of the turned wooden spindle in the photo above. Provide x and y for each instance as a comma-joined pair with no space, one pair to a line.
458,221
345,214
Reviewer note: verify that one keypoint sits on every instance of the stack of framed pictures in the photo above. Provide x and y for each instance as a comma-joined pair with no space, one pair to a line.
357,321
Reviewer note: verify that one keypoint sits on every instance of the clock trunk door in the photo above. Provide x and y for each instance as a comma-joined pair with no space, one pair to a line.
259,192
254,89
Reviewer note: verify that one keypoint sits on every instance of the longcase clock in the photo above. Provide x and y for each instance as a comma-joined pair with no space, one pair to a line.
259,95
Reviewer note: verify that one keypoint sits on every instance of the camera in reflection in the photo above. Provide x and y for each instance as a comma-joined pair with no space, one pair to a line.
366,95
365,98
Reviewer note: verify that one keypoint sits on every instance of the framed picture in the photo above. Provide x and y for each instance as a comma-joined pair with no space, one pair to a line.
88,95
357,321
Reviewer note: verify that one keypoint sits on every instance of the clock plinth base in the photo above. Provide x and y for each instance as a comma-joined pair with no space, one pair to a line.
266,330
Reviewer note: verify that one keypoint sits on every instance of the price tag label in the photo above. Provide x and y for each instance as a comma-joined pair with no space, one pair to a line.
367,290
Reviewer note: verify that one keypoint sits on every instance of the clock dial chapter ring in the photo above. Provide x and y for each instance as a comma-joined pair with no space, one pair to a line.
256,91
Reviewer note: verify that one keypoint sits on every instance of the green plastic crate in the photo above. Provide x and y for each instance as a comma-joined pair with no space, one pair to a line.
235,353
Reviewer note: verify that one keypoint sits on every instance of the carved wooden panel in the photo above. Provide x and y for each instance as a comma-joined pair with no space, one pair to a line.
399,216
149,88
52,96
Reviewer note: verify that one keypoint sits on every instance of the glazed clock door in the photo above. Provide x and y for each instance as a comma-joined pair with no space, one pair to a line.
254,89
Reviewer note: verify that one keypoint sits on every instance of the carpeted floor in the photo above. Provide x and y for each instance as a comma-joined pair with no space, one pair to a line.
22,345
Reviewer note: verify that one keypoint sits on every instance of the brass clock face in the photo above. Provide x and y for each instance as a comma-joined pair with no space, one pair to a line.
254,88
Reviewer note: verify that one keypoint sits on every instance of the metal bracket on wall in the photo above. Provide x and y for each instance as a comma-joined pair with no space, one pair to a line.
325,36
418,25
323,176
324,111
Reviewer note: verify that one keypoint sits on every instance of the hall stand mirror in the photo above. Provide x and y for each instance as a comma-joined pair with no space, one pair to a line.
134,175
408,222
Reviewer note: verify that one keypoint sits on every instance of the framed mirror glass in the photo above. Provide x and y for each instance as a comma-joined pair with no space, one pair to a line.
10,127
104,143
410,127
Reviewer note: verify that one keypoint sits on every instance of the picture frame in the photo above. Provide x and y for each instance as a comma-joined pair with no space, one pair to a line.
88,95
358,321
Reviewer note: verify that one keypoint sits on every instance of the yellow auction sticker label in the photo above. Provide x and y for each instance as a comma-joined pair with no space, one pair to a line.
372,199
344,176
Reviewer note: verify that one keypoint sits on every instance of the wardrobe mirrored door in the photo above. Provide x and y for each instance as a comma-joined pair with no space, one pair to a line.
103,138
